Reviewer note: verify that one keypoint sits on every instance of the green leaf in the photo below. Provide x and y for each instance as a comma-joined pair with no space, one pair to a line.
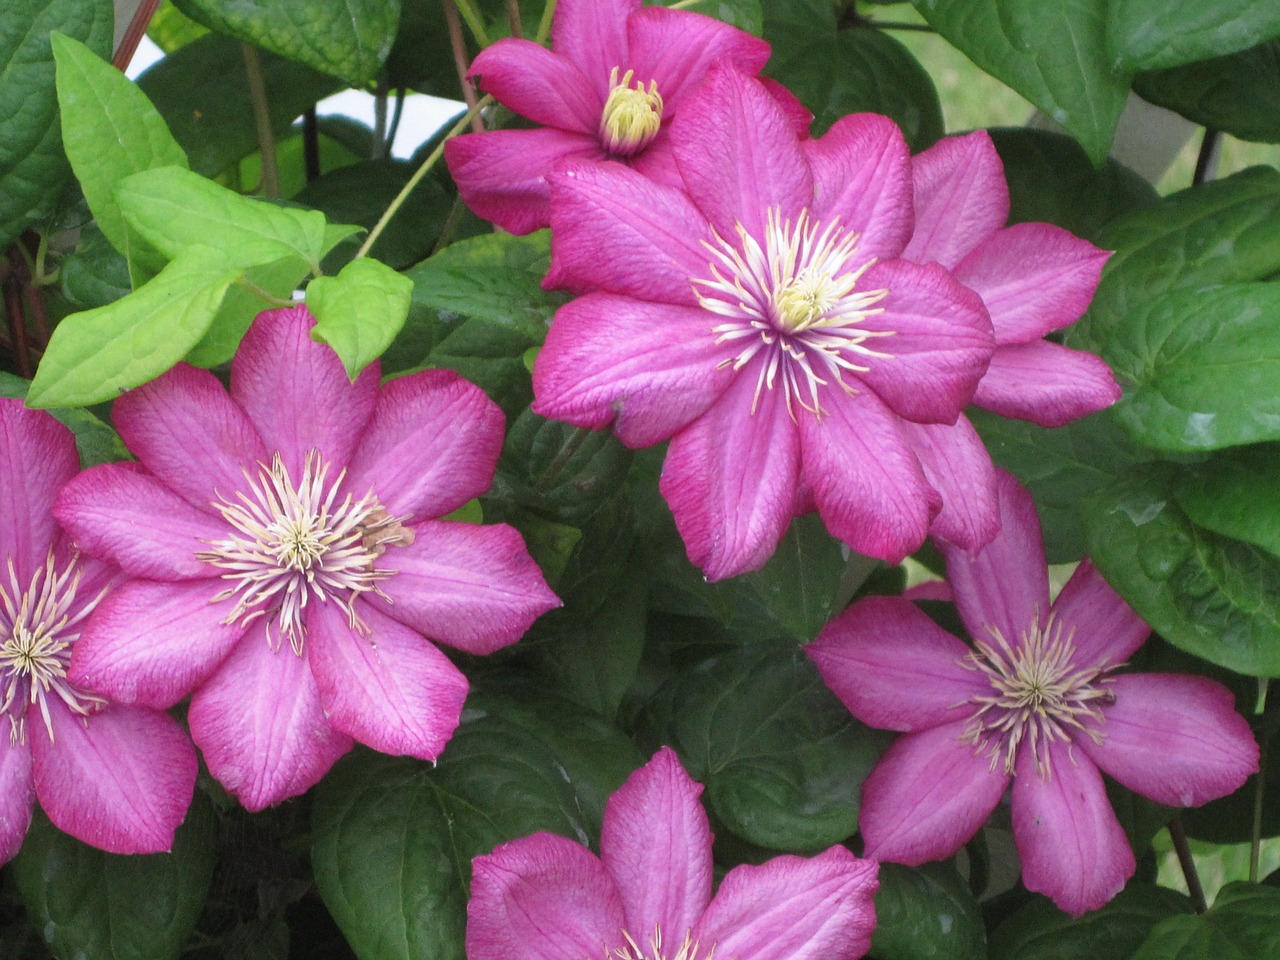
1234,495
101,906
95,441
1142,35
1243,924
346,38
94,274
359,311
110,130
1053,52
1200,367
244,301
746,15
95,355
926,912
171,29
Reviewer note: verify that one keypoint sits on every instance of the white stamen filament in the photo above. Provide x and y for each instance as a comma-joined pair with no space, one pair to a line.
653,950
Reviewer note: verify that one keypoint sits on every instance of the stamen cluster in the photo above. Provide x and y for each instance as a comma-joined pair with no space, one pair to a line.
653,950
632,115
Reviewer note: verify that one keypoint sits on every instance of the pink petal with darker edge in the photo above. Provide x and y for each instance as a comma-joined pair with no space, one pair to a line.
592,34
1046,383
961,198
17,797
37,456
1104,629
656,162
958,467
539,84
796,112
676,47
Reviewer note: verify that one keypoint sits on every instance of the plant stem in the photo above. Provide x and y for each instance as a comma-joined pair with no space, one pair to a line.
1255,841
1185,860
450,225
571,446
397,112
17,324
1207,159
378,149
544,25
270,182
475,22
133,36
513,19
311,143
460,60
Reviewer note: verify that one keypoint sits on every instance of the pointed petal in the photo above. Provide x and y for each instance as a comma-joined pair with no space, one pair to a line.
153,643
542,897
121,780
1046,383
259,723
958,467
502,174
390,689
117,512
1069,841
1174,739
189,434
730,478
893,667
650,369
37,456
739,155
1104,628
1005,585
1033,277
927,797
961,198
870,490
862,174
296,390
792,908
613,230
656,843
592,34
474,588
539,84
17,796
431,445
676,47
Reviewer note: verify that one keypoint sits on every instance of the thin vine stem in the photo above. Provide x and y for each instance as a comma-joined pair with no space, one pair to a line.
513,19
460,62
1259,787
566,453
262,120
1185,860
475,22
1207,158
134,34
544,25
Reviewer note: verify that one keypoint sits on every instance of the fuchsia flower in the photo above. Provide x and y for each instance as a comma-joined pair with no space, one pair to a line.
1035,700
648,895
616,75
285,562
765,323
117,777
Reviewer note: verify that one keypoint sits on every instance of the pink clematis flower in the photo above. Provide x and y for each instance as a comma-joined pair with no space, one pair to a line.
608,89
1035,700
117,777
285,562
648,895
765,323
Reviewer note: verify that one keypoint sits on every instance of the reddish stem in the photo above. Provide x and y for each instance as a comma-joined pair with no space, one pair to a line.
133,36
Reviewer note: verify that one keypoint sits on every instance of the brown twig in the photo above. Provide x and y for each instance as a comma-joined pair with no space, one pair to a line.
133,36
460,60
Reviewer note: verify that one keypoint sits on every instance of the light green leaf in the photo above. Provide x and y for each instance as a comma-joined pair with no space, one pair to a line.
1142,35
1242,924
359,311
263,288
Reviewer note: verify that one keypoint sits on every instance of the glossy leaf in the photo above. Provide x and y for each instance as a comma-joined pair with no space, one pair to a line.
94,274
746,15
1242,924
1238,94
1150,36
1234,495
925,912
359,311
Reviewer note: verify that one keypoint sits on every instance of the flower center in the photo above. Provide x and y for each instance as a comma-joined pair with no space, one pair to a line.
654,949
1039,696
631,115
795,301
292,543
39,626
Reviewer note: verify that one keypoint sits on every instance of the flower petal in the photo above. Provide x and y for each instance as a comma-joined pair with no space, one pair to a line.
648,368
656,161
958,467
297,392
893,667
259,723
153,643
730,479
1173,738
539,84
593,35
862,174
676,47
431,446
1104,628
927,797
1069,841
542,897
120,780
656,843
961,198
37,456
1046,383
17,796
474,588
391,689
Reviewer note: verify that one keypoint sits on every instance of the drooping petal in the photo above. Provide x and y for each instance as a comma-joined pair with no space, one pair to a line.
928,795
793,908
730,478
675,47
1046,383
1104,629
475,588
1033,277
961,198
648,368
117,512
260,725
1069,841
656,843
1175,739
390,688
121,780
870,490
297,392
738,153
539,84
862,175
958,467
893,667
37,456
153,643
592,34
431,446
542,897
17,796
188,432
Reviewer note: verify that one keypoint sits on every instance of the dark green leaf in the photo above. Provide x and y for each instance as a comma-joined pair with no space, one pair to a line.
1238,94
359,311
421,57
1142,35
1235,495
926,912
1229,820
1243,924
94,274
744,14
490,355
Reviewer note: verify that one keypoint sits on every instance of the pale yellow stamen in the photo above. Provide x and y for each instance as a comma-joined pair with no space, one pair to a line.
631,116
653,950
